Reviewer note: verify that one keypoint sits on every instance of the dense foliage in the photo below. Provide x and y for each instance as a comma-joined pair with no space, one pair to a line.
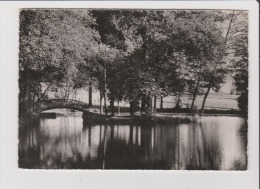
131,55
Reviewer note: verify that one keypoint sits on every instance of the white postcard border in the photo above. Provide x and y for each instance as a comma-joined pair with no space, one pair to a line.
12,177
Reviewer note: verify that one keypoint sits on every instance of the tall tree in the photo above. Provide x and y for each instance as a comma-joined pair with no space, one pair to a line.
199,38
237,53
52,43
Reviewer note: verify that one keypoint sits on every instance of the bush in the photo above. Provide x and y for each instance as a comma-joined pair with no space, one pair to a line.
243,101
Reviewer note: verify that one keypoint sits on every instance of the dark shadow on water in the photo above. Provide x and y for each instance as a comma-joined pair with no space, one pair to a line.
65,143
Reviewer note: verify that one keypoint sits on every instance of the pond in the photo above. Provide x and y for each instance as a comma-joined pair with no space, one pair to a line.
213,143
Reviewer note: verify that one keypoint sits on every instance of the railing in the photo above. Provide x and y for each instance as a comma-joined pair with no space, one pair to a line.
63,103
63,100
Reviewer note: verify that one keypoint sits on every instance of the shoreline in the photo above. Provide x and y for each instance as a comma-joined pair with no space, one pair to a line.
139,120
157,118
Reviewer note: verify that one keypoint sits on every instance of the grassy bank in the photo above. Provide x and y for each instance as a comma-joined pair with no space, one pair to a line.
207,111
141,120
179,110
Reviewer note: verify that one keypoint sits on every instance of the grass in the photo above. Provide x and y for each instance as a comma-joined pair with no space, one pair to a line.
214,101
206,111
142,120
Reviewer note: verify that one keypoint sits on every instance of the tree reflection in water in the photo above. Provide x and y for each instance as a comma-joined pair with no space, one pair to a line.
215,143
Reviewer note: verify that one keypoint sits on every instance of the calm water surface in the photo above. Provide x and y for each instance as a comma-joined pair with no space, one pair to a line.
214,143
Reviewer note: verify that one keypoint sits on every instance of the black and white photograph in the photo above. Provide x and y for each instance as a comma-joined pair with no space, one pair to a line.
161,89
129,94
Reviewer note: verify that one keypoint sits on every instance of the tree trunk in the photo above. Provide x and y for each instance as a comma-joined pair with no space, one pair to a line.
33,101
100,103
132,108
149,103
195,93
206,95
21,100
105,90
90,94
30,108
146,104
112,101
154,103
161,104
45,91
105,104
178,101
21,104
118,108
143,103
